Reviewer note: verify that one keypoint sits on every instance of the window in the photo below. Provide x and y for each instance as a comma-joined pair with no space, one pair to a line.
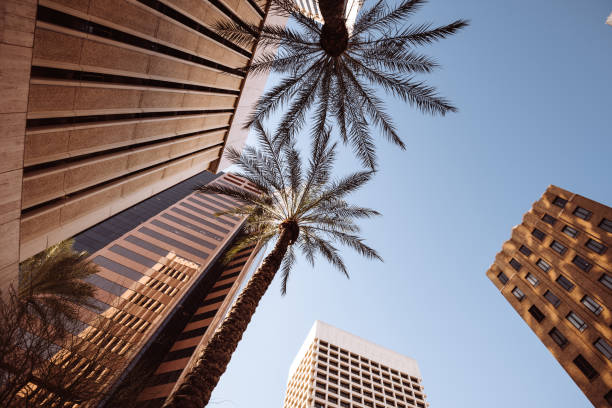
559,202
569,231
595,246
608,397
538,234
320,384
552,298
558,337
515,264
536,313
502,277
606,280
543,265
549,219
558,247
591,304
532,279
586,368
565,283
576,321
581,263
518,293
524,250
604,348
582,213
606,225
318,404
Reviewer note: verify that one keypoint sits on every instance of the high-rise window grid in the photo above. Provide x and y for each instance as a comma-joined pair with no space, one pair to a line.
396,389
574,275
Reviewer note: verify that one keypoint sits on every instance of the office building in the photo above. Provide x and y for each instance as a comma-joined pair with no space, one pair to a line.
310,8
104,103
556,272
334,368
162,289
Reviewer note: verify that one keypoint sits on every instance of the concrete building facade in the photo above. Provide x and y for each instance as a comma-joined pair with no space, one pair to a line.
310,8
162,289
556,272
104,103
334,368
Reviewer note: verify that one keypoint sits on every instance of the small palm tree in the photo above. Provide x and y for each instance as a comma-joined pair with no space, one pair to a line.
300,210
54,279
332,71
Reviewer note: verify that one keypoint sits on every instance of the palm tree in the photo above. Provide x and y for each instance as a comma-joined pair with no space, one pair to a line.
54,279
330,72
303,211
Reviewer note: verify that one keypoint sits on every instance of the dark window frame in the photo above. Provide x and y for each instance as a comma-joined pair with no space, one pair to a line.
582,213
559,202
515,264
518,293
549,219
539,235
596,246
558,337
502,278
552,298
558,247
582,263
585,367
536,313
525,251
570,231
605,225
565,283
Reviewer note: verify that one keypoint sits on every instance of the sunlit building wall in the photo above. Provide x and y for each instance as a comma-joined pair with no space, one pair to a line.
161,281
556,272
105,103
334,368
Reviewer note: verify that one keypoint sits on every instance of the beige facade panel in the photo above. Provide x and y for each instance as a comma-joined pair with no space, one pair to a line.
17,21
556,271
106,102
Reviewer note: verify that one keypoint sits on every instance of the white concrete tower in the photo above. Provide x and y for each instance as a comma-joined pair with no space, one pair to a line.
337,369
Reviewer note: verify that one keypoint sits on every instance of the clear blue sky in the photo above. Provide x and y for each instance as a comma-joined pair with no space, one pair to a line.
533,81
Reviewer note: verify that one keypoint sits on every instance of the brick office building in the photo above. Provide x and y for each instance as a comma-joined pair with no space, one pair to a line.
556,271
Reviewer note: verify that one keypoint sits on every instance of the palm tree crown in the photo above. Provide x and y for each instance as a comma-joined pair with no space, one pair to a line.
330,72
305,203
54,279
299,208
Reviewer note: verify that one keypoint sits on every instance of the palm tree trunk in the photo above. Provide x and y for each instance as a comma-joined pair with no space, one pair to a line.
195,390
334,35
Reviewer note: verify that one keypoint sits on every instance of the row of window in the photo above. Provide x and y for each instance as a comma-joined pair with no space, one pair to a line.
356,395
356,359
600,344
553,299
364,384
584,214
565,283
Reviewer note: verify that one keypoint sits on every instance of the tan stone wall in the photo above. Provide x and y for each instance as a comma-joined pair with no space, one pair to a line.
17,19
124,100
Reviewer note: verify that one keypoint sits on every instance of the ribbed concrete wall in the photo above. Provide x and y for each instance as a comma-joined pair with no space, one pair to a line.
125,98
